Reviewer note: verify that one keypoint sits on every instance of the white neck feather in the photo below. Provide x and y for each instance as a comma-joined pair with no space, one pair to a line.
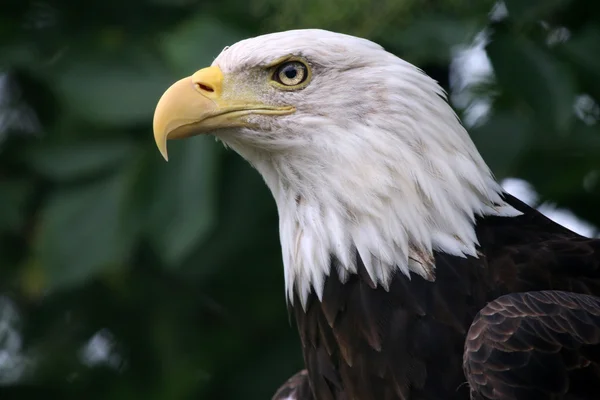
394,183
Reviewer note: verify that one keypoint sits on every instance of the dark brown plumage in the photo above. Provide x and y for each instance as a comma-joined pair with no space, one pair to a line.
535,345
362,342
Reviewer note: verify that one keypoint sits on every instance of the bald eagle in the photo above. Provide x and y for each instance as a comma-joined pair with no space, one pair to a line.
410,272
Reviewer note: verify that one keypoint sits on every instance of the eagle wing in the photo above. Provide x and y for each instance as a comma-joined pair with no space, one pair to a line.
295,388
535,345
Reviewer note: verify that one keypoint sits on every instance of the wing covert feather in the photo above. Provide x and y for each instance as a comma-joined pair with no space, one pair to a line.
535,345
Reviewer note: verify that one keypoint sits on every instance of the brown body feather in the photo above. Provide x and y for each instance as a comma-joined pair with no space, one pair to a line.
535,345
363,343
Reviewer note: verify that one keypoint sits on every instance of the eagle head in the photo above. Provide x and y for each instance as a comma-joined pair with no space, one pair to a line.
366,160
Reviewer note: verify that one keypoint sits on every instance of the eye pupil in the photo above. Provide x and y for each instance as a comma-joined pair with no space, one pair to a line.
290,72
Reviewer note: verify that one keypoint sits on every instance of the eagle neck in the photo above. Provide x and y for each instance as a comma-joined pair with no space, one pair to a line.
384,220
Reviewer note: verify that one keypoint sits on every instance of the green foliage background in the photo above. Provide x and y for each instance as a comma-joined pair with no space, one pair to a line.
175,269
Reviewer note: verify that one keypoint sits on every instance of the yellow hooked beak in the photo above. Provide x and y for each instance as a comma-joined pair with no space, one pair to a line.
201,103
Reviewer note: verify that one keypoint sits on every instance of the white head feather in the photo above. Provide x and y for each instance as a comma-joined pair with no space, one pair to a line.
374,159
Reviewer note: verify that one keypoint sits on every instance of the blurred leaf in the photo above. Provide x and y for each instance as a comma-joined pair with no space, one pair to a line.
33,280
110,89
500,141
246,223
196,43
532,10
582,48
583,141
182,207
68,161
82,231
527,71
432,38
13,195
173,3
13,54
559,168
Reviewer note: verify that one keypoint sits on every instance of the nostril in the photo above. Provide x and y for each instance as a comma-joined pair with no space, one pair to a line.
204,87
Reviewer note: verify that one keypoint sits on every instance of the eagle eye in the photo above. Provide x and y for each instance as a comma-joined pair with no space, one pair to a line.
291,74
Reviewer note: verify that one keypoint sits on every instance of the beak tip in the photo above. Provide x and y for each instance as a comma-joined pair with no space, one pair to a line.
161,144
164,154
